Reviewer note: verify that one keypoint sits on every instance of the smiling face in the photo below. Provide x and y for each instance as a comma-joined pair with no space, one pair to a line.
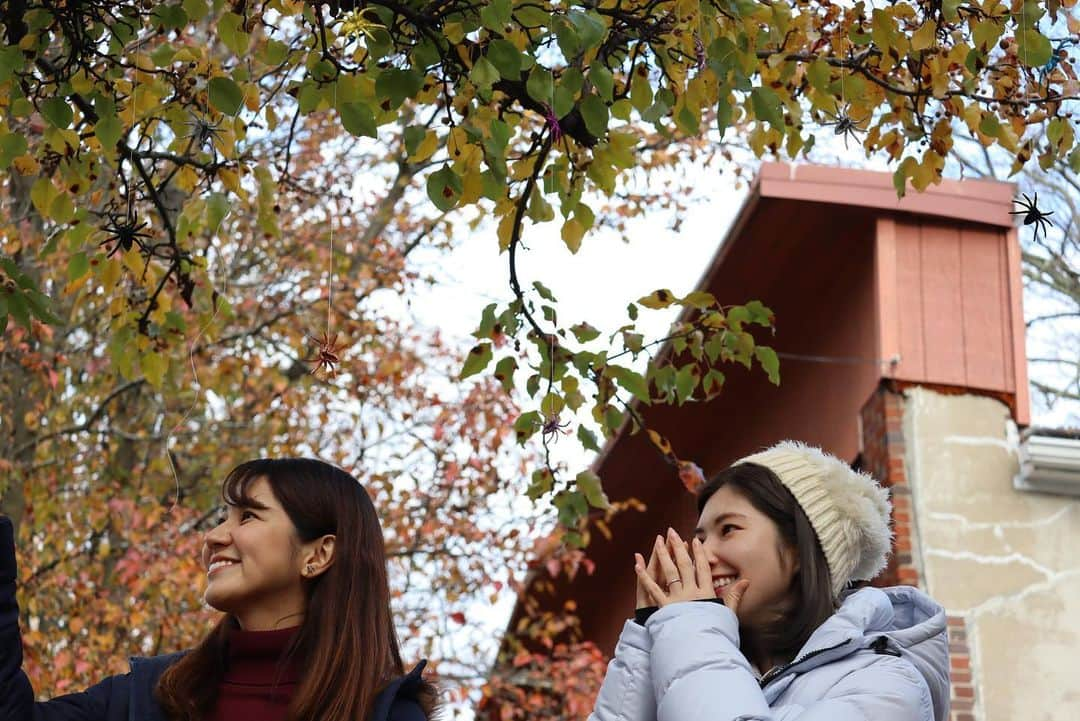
742,542
255,563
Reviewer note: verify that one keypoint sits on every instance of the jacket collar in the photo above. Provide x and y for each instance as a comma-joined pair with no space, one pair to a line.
404,686
145,673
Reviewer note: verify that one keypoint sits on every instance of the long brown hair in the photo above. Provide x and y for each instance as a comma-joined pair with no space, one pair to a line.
346,645
811,589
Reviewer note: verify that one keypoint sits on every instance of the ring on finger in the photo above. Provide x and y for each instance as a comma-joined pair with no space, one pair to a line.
672,583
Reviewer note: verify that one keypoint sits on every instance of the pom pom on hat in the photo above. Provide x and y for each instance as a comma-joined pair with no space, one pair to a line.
849,511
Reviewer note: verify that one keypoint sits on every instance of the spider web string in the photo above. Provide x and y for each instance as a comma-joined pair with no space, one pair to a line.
330,261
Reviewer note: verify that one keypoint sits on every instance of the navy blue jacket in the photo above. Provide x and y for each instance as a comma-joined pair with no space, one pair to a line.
129,696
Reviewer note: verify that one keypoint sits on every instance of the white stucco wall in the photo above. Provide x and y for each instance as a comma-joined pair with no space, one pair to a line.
1007,561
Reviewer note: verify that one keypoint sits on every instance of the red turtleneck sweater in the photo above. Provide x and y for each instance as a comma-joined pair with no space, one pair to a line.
248,690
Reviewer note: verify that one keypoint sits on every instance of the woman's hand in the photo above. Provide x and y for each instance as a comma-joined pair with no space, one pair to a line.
686,577
644,600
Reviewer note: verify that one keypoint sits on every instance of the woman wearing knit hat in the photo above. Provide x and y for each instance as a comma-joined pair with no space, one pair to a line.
296,564
761,617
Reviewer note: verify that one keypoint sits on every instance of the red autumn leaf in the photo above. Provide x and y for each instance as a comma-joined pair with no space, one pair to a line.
458,617
691,475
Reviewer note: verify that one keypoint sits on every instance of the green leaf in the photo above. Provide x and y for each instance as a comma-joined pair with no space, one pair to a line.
539,85
504,372
595,114
769,362
1033,49
818,74
587,439
444,188
567,37
172,17
603,81
274,52
506,58
484,74
544,291
725,110
496,15
230,29
542,484
58,112
767,107
572,507
397,85
12,145
526,425
477,360
108,130
590,485
584,332
414,135
11,61
225,95
686,380
532,16
760,313
590,28
699,299
631,381
358,119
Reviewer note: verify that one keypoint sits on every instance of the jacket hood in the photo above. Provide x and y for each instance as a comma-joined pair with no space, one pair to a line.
912,623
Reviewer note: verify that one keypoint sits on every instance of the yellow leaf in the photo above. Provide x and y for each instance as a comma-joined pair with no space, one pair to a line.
924,37
231,180
153,368
572,233
426,149
472,186
506,227
26,165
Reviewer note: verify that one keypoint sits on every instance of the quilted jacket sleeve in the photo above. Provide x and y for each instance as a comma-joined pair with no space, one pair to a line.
627,692
16,694
699,674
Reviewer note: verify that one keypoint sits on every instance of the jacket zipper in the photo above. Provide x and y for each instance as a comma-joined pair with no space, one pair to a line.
773,673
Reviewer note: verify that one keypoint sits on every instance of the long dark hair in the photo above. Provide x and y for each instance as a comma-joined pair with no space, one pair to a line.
811,589
346,646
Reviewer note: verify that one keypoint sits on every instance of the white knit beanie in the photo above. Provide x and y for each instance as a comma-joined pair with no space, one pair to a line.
848,510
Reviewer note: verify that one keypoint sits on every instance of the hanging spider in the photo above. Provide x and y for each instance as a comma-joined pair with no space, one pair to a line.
1033,215
552,427
551,120
328,356
203,131
843,124
124,233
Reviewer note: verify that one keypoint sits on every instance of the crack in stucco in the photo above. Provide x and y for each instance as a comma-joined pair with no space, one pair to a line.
1003,443
990,560
968,525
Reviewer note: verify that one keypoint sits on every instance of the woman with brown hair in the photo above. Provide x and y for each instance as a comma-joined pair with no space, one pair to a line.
765,615
298,568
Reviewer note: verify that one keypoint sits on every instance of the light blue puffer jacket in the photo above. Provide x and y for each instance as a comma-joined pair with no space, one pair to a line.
685,665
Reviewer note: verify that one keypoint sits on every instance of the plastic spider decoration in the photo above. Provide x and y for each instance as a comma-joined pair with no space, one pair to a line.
124,233
328,355
551,120
552,427
1033,215
843,124
203,131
